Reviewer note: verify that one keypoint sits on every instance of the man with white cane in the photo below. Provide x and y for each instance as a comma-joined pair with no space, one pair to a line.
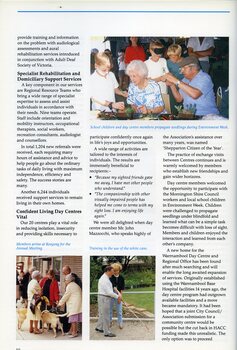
105,293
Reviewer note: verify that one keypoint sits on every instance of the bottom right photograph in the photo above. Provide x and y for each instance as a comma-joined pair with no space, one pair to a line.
122,297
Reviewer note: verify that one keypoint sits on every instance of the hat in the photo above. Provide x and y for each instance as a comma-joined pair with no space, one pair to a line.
188,60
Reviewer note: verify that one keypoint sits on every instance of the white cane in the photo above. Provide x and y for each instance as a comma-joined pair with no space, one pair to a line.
126,305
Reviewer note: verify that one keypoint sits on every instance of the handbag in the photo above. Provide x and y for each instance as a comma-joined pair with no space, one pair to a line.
34,302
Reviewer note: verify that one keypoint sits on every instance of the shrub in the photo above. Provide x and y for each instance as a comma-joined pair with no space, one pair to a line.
139,279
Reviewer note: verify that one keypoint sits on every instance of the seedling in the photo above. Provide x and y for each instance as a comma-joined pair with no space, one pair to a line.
187,112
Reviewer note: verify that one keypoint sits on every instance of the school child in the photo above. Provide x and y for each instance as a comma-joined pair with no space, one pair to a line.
157,65
104,86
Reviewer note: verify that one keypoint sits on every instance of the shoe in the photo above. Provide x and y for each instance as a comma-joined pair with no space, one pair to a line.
37,331
110,335
121,325
73,335
99,330
69,333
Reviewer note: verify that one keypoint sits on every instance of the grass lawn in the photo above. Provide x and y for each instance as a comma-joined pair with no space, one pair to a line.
145,301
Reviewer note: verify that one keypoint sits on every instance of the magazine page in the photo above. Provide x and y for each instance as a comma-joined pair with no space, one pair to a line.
118,174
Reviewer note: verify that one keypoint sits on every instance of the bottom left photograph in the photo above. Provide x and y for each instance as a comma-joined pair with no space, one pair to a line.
48,297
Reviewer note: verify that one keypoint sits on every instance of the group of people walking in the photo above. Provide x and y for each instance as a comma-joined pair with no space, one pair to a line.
35,287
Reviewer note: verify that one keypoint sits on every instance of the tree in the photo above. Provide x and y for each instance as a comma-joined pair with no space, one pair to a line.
96,264
127,260
123,260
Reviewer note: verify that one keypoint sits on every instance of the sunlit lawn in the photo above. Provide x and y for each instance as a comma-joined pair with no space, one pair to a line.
145,301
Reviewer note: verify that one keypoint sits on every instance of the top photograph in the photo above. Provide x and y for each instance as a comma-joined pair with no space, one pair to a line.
159,78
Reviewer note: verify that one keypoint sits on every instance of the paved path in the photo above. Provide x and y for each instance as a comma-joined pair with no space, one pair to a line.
25,334
133,330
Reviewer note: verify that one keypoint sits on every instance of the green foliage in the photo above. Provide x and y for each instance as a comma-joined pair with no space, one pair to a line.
188,109
145,300
129,111
179,108
95,271
138,271
138,279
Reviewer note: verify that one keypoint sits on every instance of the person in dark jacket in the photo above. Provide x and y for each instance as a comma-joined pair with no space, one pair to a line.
50,289
67,270
118,283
